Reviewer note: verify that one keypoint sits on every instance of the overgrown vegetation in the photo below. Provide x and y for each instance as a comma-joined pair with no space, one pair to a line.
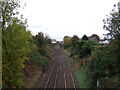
104,63
79,53
85,78
105,60
19,47
41,50
15,48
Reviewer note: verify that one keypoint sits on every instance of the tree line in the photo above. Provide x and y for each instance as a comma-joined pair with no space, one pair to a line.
104,59
19,46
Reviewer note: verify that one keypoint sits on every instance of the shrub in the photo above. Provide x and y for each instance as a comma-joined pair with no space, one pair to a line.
16,46
100,63
85,47
39,59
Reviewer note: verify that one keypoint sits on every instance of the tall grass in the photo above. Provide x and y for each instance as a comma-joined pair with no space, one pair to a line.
85,77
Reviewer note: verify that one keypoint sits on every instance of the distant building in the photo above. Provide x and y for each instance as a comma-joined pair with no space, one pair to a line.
60,43
54,41
95,38
102,41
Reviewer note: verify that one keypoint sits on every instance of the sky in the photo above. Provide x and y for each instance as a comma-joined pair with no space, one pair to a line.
59,18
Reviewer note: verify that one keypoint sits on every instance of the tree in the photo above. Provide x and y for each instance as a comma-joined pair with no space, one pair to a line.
40,41
66,41
100,63
9,10
74,41
112,25
14,54
84,37
105,59
15,45
84,48
43,44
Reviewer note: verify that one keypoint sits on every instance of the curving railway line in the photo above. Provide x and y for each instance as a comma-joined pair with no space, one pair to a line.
60,73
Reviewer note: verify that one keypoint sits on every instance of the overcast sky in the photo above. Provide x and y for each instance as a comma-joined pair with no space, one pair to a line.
59,18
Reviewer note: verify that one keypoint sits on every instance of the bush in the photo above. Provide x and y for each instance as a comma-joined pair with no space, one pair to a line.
16,47
39,59
100,63
44,44
85,47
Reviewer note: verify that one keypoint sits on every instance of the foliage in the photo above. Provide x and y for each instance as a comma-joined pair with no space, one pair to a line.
39,59
8,9
112,25
100,63
15,48
83,48
74,40
44,44
105,59
84,37
67,42
85,77
16,44
41,48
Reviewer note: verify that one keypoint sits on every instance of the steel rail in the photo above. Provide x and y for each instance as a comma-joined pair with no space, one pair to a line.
71,76
65,79
48,80
56,75
50,75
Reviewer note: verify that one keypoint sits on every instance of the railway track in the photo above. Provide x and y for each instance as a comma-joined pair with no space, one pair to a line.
52,79
61,74
69,70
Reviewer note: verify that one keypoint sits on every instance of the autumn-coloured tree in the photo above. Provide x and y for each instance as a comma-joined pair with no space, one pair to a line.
74,40
66,41
15,45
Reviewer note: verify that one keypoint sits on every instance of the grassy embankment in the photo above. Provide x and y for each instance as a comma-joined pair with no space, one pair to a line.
35,68
84,75
39,60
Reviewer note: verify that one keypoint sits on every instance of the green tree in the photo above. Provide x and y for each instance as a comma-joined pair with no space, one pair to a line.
100,63
112,25
15,45
74,41
67,42
105,60
9,10
44,44
85,47
84,37
14,54
40,42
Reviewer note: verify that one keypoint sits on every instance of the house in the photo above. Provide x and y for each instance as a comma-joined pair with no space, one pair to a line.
95,38
54,41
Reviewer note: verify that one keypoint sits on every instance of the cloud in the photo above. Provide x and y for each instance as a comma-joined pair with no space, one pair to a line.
59,18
